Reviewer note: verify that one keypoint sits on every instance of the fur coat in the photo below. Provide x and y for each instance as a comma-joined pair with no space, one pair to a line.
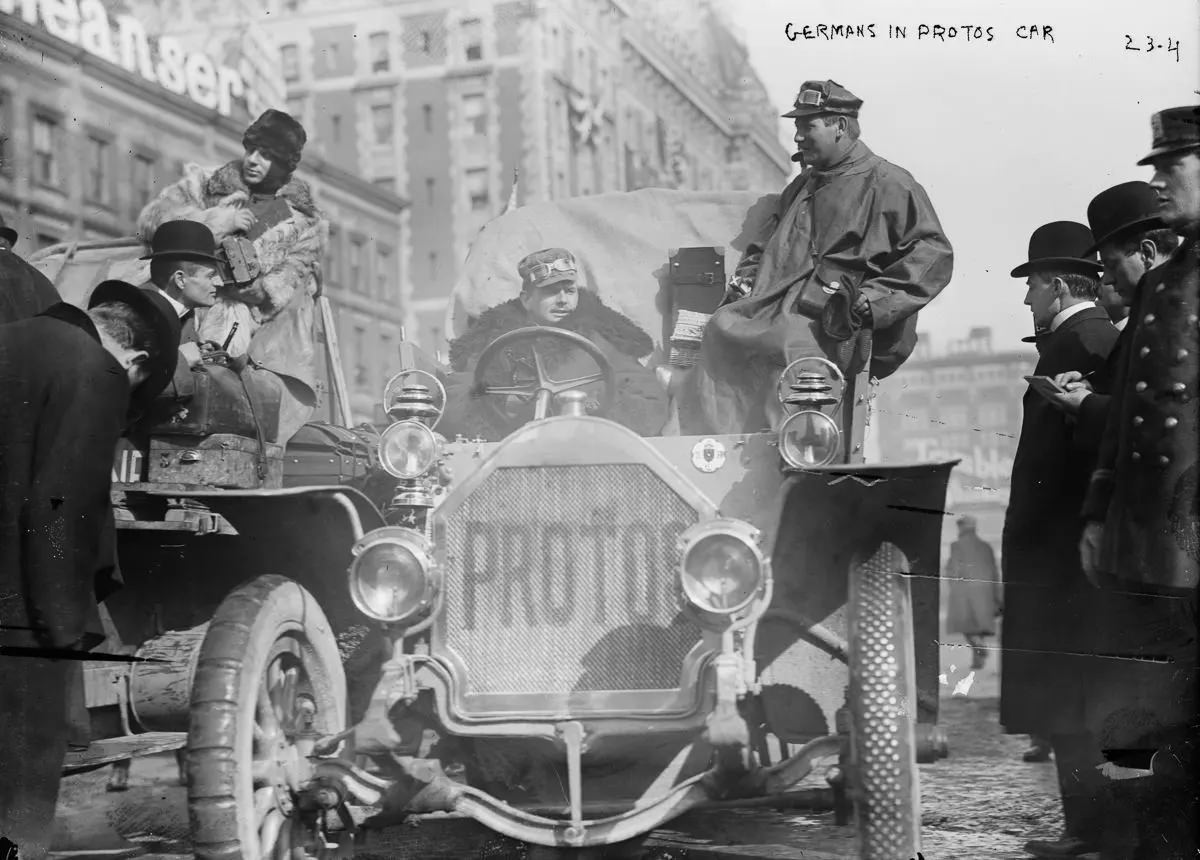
275,313
640,402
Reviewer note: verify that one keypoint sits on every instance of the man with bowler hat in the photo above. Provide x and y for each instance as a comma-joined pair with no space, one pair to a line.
1132,240
1047,601
185,269
24,291
854,250
258,197
68,381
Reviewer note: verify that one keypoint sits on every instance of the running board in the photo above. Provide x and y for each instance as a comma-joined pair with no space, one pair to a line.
109,750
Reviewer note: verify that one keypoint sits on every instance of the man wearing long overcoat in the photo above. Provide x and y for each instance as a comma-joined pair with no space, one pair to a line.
855,247
1142,507
1047,600
66,378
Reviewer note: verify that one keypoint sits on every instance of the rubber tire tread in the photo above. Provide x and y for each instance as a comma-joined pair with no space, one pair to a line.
214,716
885,784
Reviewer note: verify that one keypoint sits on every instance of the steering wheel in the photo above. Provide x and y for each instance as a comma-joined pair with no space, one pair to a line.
542,389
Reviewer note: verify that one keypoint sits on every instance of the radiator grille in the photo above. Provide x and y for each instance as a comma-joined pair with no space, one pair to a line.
562,579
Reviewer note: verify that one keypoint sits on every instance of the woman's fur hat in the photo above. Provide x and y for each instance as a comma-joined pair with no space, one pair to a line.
277,135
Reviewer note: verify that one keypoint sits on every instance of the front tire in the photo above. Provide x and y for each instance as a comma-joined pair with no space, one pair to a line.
883,700
268,683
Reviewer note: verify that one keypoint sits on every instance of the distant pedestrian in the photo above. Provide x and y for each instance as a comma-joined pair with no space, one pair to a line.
976,596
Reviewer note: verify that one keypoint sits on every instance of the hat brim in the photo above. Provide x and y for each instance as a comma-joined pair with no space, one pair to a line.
809,112
183,255
166,330
1141,225
1067,264
10,234
1167,150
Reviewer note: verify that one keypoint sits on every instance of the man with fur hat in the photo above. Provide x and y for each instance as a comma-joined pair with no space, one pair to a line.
258,197
854,251
1048,606
68,379
551,296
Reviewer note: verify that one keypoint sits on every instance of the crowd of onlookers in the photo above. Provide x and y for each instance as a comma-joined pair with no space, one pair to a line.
1101,541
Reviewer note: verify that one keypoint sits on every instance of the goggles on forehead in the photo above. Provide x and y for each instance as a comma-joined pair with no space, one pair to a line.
541,271
816,98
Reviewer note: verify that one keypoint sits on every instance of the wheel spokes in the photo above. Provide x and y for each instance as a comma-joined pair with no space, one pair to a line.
556,386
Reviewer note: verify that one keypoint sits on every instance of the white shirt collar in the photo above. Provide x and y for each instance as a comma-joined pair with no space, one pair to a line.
1066,313
180,308
1121,323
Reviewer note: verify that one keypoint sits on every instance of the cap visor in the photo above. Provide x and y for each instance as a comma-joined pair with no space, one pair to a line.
1167,150
555,279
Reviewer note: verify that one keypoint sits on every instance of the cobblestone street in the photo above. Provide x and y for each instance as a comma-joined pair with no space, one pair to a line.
981,802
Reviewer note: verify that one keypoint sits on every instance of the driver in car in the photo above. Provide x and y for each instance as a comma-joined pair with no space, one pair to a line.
551,297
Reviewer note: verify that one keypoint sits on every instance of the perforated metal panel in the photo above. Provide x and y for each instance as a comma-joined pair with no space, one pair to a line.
563,579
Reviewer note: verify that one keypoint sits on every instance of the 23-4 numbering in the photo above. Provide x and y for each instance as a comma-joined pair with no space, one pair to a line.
1152,44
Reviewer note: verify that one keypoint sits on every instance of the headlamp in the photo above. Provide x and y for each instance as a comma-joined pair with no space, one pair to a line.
392,577
408,449
808,439
721,568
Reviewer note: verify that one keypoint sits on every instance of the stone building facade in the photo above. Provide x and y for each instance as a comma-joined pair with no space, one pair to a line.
445,101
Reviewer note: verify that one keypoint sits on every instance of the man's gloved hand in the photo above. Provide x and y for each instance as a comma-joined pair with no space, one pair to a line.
862,307
1089,551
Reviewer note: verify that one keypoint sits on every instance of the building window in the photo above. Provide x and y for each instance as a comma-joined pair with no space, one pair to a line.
426,42
99,173
381,59
356,266
427,112
993,414
381,122
429,188
433,265
45,149
360,353
472,34
475,113
335,124
289,60
143,181
389,354
6,122
333,256
477,189
383,272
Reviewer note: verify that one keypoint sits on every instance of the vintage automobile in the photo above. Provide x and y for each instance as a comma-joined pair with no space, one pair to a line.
577,633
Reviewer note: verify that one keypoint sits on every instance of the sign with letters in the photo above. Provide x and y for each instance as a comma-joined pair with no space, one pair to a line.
123,41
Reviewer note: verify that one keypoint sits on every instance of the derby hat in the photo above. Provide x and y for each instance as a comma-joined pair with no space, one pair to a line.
183,240
153,307
8,232
546,267
1173,130
817,98
1062,245
1117,212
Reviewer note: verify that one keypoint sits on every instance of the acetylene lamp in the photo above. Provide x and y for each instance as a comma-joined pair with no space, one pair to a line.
810,435
409,449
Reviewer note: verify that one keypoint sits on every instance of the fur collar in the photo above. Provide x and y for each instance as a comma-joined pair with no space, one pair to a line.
591,318
227,180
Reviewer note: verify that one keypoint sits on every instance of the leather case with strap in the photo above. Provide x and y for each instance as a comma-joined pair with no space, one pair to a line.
323,454
216,402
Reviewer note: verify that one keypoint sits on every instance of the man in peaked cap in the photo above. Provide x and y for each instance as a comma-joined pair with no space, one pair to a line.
67,380
1142,508
1047,601
853,251
551,295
